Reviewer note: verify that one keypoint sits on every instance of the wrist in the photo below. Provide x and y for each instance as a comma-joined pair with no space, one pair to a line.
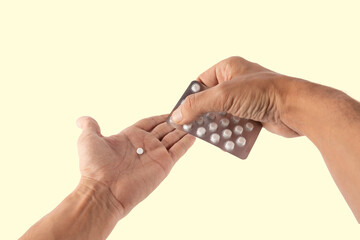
291,98
304,103
89,212
92,191
306,106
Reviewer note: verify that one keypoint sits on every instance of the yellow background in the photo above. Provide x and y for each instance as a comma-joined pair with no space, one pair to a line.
120,61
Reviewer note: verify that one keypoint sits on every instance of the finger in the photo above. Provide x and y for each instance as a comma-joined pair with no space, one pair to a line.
161,130
88,124
209,77
195,105
150,123
180,147
220,72
170,139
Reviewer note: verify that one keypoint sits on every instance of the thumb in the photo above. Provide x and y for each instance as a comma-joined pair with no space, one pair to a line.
88,124
197,104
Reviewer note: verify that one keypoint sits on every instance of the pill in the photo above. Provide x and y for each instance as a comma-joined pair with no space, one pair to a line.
195,87
215,138
226,133
229,145
200,121
200,131
139,151
211,115
238,130
224,122
240,141
249,126
235,119
213,126
187,127
222,113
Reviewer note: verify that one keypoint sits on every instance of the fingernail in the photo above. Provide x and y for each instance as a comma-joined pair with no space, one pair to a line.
176,115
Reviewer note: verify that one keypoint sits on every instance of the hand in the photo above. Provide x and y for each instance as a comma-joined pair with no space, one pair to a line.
289,107
244,89
113,160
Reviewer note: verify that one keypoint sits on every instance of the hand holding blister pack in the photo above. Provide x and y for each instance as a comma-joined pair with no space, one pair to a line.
230,133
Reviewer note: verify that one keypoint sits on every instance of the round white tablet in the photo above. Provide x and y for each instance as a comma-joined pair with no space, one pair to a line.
200,121
226,133
238,130
224,122
215,138
195,87
200,131
241,141
139,151
213,126
249,126
235,119
211,115
229,145
187,127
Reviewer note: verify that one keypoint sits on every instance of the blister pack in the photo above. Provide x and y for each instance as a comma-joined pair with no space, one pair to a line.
230,133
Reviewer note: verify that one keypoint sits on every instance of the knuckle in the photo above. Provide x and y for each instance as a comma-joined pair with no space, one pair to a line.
165,142
88,122
230,66
222,95
235,60
190,102
87,119
228,71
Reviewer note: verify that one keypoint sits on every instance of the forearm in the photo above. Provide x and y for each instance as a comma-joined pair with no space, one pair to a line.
331,120
90,212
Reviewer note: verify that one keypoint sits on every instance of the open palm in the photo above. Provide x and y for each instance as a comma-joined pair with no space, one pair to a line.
114,162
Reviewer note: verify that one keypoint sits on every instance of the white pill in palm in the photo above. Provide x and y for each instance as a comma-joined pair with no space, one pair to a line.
213,126
139,151
187,127
249,126
229,145
224,122
215,138
241,141
195,87
200,131
226,133
238,130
